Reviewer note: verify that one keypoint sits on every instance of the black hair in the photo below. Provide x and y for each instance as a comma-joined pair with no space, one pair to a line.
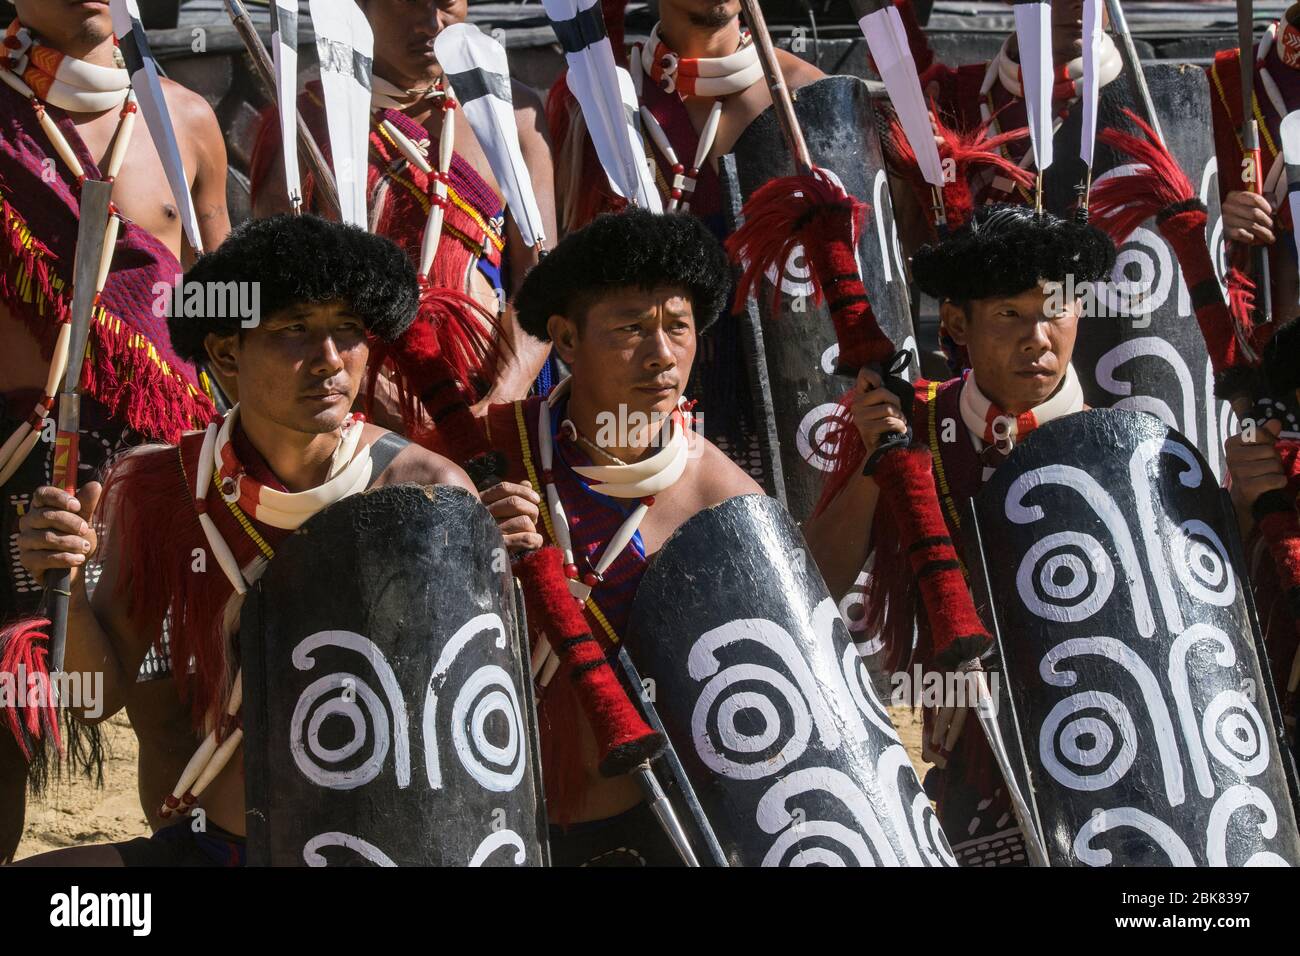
634,249
1005,250
295,260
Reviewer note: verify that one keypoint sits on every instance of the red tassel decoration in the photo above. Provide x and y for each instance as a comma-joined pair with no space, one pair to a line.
1160,188
624,738
447,355
908,494
814,212
967,150
24,648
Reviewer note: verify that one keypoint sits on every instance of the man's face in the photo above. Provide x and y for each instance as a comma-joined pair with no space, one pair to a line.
1019,346
301,367
67,23
633,350
704,13
404,34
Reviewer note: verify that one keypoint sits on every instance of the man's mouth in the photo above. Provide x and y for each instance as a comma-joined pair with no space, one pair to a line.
655,388
1036,372
325,395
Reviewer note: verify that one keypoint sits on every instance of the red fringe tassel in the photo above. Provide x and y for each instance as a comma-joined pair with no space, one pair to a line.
623,736
967,150
24,647
814,212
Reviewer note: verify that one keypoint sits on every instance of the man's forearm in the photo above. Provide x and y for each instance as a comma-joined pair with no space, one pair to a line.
840,537
91,651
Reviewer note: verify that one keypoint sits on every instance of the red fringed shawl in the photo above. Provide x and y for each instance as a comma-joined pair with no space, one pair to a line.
130,367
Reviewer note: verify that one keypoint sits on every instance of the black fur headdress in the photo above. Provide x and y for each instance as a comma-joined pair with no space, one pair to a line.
1005,249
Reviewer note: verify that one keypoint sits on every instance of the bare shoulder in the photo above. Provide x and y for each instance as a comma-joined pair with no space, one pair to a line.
526,99
530,112
717,477
417,465
188,109
797,71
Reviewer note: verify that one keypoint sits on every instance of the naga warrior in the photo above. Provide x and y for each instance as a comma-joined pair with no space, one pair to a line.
181,531
1255,207
998,279
699,85
69,112
613,450
415,114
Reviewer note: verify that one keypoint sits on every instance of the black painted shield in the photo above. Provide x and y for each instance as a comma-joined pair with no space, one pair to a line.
797,350
385,713
1129,650
1141,348
768,702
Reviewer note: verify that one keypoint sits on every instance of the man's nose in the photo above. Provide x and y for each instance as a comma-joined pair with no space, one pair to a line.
661,352
327,359
1037,340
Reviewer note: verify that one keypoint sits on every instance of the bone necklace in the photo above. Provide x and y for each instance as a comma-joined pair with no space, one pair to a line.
349,473
388,96
640,480
704,76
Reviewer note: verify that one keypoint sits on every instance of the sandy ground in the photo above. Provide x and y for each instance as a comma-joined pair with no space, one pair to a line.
73,812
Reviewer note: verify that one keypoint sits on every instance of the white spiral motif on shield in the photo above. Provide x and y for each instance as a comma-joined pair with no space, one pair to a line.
1235,733
1065,577
804,842
1141,295
1224,656
795,277
312,856
1150,346
1103,821
813,438
1144,471
1215,240
919,834
925,826
751,720
1202,564
497,840
858,680
490,690
1108,648
1216,832
1088,741
344,695
1103,505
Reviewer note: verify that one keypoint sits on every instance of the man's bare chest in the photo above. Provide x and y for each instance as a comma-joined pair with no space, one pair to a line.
141,190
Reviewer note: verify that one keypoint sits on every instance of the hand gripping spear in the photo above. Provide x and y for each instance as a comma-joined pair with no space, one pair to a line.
1252,169
91,234
811,210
